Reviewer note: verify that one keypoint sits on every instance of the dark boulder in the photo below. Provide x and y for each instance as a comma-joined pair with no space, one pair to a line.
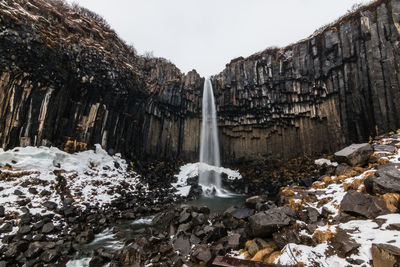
50,205
355,154
386,148
6,228
360,204
182,244
266,222
240,213
385,180
202,253
343,245
50,255
48,228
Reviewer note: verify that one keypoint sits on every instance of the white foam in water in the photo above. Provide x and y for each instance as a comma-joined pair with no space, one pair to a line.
191,170
145,220
84,262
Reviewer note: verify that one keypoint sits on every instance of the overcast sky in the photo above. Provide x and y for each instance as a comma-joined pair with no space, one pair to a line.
206,34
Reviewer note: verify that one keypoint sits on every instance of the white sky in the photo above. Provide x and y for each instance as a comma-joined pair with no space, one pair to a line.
206,34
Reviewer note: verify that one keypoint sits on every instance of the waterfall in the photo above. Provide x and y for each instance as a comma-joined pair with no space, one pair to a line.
209,145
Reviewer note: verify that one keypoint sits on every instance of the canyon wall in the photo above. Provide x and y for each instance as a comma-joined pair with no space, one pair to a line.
337,87
66,78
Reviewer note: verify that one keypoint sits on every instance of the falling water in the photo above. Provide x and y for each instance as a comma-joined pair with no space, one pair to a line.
209,145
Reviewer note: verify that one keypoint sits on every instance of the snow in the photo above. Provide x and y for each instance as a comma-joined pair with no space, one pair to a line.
364,232
89,176
191,170
322,161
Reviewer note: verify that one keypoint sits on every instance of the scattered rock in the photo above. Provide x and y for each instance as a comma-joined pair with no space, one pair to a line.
240,213
50,255
342,243
252,201
48,228
355,154
85,237
25,229
385,180
266,222
6,228
202,253
342,168
385,255
44,192
50,205
2,211
182,244
360,204
386,148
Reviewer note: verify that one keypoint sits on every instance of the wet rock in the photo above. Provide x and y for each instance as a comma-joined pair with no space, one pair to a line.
164,218
202,253
85,237
6,228
48,228
50,205
251,202
355,154
240,213
385,255
385,180
2,211
96,261
266,222
360,204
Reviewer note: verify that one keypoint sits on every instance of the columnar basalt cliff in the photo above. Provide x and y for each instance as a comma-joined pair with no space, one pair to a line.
66,76
337,87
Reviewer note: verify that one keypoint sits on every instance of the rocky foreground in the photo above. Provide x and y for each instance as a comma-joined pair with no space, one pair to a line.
55,205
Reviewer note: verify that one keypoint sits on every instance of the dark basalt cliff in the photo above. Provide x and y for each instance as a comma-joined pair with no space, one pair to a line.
65,75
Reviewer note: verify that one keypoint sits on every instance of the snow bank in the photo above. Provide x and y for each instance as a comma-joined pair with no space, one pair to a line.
36,174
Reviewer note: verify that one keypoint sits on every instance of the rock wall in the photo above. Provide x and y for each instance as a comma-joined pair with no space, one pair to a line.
65,75
337,87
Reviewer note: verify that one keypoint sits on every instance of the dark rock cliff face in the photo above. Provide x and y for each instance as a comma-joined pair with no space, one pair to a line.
64,75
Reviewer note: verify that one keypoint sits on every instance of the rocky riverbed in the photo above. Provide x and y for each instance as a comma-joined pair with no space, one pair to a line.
92,209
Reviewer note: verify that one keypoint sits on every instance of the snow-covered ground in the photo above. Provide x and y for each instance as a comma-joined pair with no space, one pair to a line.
364,232
37,174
